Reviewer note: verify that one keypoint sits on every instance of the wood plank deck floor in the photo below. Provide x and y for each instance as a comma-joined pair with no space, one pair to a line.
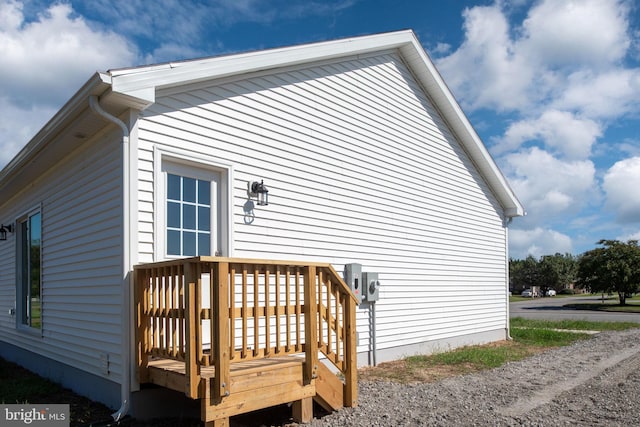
236,367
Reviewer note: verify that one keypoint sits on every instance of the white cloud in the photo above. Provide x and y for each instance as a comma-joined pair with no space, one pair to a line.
165,24
575,33
560,78
441,48
171,52
537,242
18,125
484,72
46,59
621,183
631,236
601,95
566,55
560,131
44,62
549,187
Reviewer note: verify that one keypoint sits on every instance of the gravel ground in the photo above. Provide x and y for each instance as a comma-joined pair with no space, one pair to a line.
590,383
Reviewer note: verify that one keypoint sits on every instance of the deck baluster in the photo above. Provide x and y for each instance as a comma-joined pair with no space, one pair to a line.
319,317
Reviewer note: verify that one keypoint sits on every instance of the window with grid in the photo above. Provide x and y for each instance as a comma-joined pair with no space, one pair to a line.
188,216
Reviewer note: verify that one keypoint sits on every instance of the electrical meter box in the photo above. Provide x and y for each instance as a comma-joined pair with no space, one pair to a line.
352,276
371,287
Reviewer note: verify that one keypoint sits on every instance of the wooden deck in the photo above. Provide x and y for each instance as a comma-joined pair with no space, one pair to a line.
241,335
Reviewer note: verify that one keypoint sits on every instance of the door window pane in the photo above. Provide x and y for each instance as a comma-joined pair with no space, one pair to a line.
173,214
204,218
173,187
189,243
204,192
189,190
188,216
173,242
204,243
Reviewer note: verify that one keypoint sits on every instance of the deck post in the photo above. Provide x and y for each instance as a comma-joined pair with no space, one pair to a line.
141,293
192,368
221,356
302,410
351,358
310,324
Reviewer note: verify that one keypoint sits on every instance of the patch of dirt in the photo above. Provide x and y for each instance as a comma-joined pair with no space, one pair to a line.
407,372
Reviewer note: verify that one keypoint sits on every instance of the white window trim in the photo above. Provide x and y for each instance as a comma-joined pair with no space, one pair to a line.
177,159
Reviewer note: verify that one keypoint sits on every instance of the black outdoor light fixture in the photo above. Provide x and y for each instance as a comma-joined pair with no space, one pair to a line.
260,192
4,229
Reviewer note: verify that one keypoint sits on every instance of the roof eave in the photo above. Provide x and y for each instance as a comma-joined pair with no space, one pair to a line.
143,82
98,83
133,80
136,88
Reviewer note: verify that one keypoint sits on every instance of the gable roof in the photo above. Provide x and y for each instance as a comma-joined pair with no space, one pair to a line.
136,88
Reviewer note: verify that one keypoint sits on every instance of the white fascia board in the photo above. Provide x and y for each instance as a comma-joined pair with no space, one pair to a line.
130,81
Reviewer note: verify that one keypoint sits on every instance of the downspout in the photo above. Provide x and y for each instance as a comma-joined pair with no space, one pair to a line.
125,386
506,255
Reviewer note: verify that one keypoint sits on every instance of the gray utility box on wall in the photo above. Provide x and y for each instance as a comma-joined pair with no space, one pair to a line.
371,286
352,276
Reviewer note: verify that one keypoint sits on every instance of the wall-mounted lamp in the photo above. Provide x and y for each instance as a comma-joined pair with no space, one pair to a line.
4,229
260,192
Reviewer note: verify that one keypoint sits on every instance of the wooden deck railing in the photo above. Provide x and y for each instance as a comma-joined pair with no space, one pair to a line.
208,311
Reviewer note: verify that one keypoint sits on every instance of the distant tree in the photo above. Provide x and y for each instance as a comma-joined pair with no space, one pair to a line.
558,271
615,267
550,272
524,273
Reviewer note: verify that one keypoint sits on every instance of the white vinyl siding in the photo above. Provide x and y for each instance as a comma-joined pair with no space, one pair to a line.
81,206
360,168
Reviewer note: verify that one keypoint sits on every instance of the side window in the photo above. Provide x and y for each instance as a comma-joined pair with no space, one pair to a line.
29,269
188,216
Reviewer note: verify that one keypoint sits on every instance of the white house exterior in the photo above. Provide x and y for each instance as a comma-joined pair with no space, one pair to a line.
368,159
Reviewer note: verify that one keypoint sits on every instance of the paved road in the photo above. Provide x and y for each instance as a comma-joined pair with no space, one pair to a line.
551,308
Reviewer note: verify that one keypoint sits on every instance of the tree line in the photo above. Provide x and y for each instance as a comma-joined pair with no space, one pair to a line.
613,267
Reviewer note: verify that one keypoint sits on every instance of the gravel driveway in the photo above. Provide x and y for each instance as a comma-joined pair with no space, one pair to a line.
590,383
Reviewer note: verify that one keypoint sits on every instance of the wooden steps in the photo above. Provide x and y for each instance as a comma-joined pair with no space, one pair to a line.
329,389
209,326
256,384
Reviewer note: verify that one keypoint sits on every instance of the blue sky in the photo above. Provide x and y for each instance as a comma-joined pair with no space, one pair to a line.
551,86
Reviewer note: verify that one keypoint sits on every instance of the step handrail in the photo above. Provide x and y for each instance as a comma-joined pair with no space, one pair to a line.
214,311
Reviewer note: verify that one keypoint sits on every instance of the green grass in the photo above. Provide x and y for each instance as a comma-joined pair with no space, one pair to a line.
529,337
580,325
546,337
471,357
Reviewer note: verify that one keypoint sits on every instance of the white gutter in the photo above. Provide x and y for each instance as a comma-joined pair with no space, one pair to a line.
125,386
